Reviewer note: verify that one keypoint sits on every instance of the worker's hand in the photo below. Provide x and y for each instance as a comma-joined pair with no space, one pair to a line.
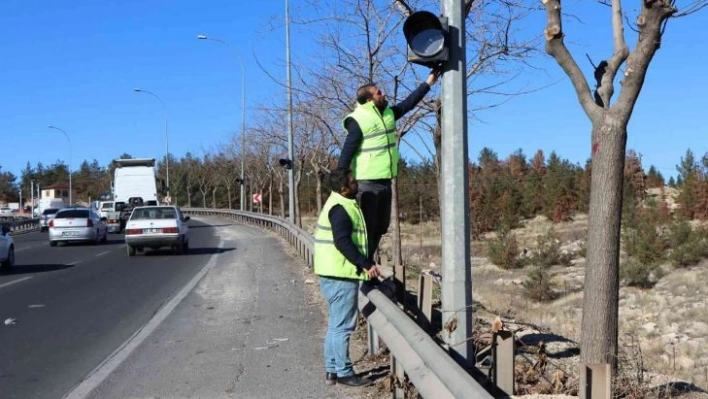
373,271
434,75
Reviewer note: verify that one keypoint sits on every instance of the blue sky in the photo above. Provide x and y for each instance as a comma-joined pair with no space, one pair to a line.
75,64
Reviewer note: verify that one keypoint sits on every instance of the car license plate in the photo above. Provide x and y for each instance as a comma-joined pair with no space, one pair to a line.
69,233
152,231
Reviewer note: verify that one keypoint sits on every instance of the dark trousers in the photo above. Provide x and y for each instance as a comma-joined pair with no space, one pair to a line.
374,198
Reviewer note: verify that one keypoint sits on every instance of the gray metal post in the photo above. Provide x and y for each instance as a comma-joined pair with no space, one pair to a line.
243,133
373,341
242,206
71,189
291,171
457,273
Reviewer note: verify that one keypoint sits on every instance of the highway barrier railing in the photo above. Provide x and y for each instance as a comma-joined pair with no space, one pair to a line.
19,224
431,370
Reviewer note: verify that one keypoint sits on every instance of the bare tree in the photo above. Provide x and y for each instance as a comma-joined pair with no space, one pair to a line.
225,162
362,42
179,171
609,137
205,177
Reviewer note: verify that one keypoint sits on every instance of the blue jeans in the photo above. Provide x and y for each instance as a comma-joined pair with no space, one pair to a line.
341,295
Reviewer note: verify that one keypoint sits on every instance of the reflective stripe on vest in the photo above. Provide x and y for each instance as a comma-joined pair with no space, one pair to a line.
378,156
328,261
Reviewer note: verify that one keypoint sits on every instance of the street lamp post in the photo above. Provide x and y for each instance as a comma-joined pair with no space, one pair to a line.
291,171
167,142
243,114
71,190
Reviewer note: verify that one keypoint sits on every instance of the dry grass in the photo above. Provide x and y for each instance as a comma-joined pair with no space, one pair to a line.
668,323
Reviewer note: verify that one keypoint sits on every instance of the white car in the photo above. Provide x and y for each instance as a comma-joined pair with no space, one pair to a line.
155,227
7,248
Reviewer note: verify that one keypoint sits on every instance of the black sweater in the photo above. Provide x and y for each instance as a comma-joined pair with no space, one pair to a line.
355,135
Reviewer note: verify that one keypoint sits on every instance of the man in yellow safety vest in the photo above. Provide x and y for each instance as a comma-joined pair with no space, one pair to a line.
371,151
341,262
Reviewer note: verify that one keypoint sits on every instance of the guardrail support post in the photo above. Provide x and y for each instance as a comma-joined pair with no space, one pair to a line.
425,301
503,361
374,346
595,381
399,378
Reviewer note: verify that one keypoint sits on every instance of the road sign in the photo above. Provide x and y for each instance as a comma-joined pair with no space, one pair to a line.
256,198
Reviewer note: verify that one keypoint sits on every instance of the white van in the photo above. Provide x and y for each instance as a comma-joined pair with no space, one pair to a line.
134,178
49,203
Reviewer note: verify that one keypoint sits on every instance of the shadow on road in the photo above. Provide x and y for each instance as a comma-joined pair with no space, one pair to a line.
210,226
192,251
29,269
209,251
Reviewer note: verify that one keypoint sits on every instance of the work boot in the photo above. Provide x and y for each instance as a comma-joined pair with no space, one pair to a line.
354,381
330,378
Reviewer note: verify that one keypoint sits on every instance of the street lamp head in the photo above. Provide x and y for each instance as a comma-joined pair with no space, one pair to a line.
202,37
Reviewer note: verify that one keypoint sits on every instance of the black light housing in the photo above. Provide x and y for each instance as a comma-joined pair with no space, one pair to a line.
286,163
426,35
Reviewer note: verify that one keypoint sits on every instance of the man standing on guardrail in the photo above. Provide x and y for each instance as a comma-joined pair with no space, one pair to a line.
371,151
341,262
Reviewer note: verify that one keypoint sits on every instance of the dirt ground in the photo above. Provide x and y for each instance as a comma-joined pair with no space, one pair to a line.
663,330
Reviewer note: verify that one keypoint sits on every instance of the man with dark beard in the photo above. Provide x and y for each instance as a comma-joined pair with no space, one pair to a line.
370,151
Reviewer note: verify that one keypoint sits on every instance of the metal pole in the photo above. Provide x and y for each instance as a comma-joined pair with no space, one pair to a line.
167,144
243,133
291,171
31,199
457,272
71,190
167,156
243,115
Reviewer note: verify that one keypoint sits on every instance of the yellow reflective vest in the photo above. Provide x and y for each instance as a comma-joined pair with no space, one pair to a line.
328,261
377,157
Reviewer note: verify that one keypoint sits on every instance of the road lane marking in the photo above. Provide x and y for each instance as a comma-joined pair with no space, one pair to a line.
22,249
102,253
110,364
15,281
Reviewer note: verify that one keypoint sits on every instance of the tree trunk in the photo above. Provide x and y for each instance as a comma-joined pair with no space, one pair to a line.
281,195
318,194
601,299
270,197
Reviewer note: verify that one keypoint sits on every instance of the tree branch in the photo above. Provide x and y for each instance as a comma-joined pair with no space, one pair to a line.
557,49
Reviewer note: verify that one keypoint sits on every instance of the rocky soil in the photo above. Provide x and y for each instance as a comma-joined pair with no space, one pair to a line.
663,330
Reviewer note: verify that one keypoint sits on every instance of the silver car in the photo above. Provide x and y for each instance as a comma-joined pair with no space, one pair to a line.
77,224
47,215
7,248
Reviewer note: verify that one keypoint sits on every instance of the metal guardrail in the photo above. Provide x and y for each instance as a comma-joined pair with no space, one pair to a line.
431,370
19,225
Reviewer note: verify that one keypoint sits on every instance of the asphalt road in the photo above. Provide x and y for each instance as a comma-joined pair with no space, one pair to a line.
64,310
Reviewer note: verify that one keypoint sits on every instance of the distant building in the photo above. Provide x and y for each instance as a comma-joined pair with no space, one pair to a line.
58,190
